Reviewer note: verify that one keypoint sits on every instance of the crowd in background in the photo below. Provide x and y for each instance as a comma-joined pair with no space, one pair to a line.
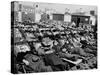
53,46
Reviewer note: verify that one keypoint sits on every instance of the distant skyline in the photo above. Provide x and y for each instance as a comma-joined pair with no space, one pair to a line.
60,7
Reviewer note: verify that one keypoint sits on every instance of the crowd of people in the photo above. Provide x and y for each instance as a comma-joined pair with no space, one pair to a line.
53,46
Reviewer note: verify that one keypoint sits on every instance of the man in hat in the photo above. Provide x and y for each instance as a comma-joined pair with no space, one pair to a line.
50,57
62,49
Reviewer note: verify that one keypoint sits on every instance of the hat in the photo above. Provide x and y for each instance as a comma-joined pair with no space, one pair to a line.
47,41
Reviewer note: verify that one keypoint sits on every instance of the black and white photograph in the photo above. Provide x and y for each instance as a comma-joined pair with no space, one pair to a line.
52,37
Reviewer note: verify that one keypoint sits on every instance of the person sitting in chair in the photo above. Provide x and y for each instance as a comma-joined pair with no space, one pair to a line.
50,56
